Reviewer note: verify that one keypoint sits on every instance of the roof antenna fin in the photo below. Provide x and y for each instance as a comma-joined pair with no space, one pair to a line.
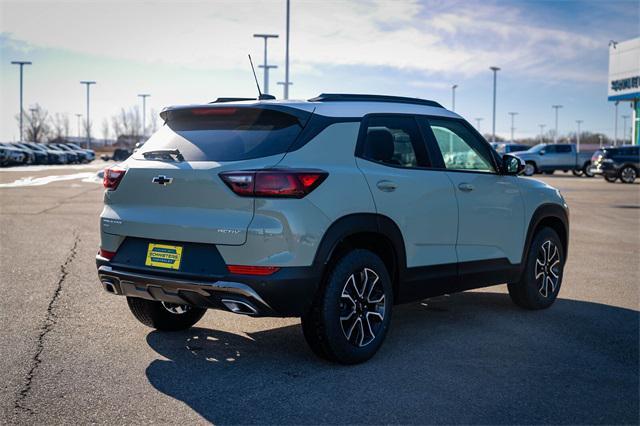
261,96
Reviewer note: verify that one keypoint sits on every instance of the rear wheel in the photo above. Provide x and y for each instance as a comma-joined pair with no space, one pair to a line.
350,317
610,178
548,172
164,316
628,174
588,170
577,172
542,276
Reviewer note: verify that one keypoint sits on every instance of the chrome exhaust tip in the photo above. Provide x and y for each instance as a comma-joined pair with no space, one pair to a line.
109,287
239,307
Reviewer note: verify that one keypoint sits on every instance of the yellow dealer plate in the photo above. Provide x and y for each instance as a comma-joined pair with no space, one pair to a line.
164,256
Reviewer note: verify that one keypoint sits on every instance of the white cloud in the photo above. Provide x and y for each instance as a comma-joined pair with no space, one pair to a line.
409,35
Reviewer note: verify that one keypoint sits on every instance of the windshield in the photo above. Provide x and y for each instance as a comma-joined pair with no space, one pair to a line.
225,134
73,145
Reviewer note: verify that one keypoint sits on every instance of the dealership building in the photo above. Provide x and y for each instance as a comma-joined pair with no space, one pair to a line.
624,86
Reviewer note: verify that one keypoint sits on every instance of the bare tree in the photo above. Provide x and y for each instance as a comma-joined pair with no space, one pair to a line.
127,123
106,130
59,126
154,120
37,124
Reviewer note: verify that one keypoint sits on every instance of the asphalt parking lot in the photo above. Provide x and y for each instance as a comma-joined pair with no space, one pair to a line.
72,353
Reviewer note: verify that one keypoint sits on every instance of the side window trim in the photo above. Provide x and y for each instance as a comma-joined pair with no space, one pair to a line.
422,154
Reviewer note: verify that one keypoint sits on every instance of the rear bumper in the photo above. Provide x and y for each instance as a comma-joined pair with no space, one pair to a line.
287,293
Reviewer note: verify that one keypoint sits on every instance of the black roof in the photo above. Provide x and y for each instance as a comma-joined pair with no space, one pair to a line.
349,97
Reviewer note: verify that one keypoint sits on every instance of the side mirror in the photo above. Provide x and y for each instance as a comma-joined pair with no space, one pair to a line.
541,152
512,165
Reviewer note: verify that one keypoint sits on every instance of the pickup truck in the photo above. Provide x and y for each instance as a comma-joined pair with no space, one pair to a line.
547,158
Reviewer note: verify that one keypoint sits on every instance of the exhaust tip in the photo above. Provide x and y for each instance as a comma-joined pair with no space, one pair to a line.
109,287
239,307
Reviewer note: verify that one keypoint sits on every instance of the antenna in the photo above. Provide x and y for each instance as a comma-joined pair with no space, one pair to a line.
260,95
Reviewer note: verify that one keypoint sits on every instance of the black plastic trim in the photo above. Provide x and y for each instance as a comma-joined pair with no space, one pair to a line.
546,211
350,97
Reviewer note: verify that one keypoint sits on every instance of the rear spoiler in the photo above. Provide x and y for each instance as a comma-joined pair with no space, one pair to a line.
301,115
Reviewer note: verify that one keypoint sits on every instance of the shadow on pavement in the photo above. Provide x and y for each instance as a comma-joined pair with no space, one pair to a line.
466,358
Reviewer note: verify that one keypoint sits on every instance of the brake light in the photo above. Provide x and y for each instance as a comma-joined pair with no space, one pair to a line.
106,254
274,183
252,270
213,111
112,177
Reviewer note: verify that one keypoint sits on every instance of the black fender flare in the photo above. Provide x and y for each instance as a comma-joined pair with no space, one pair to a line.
361,223
542,212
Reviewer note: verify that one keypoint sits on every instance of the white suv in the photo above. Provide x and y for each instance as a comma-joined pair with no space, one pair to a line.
332,209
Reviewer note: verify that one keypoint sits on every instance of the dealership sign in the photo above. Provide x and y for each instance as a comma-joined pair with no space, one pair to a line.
624,70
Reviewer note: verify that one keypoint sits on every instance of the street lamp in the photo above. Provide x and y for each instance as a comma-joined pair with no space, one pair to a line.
453,97
478,120
22,64
495,77
578,135
144,113
513,115
542,126
88,84
615,126
555,136
287,83
266,66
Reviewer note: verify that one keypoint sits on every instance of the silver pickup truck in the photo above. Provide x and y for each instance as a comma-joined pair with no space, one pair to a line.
547,158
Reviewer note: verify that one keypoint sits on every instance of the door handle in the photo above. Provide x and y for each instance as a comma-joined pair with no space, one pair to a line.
466,187
386,186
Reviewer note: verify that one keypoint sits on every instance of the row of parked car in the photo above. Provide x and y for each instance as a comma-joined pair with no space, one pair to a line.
21,153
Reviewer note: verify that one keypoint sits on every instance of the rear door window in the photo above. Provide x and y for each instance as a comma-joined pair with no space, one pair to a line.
225,134
394,140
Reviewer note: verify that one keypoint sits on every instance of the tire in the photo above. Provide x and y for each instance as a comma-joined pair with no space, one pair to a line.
588,170
611,178
549,172
529,169
577,172
351,314
164,316
540,293
628,174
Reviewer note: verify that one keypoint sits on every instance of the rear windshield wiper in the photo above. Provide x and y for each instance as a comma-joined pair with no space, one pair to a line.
163,154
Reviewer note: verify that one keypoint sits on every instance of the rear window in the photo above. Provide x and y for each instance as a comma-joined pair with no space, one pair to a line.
225,134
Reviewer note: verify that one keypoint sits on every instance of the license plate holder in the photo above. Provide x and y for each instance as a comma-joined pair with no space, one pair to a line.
164,256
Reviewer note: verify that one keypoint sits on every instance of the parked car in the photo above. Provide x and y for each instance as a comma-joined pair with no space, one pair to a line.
622,162
119,154
35,156
72,156
29,155
508,148
547,158
54,155
13,156
89,154
332,210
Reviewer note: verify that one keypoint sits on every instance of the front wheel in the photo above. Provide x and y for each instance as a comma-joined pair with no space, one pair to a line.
350,316
588,170
611,178
628,174
529,169
542,276
164,316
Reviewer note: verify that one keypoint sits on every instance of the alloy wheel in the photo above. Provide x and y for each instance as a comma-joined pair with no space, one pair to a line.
362,307
175,308
529,169
548,264
628,175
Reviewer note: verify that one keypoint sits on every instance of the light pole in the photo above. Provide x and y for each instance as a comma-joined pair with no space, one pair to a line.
495,80
79,118
22,64
266,66
287,83
144,113
478,120
579,122
513,115
555,135
615,126
88,84
624,129
453,97
542,126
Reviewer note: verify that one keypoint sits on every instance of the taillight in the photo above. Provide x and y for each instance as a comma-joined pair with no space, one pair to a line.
252,270
274,183
213,111
112,177
107,254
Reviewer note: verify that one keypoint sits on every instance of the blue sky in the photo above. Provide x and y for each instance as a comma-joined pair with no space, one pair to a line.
550,52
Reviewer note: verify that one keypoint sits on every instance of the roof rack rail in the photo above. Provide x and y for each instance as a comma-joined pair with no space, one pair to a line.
349,97
221,100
